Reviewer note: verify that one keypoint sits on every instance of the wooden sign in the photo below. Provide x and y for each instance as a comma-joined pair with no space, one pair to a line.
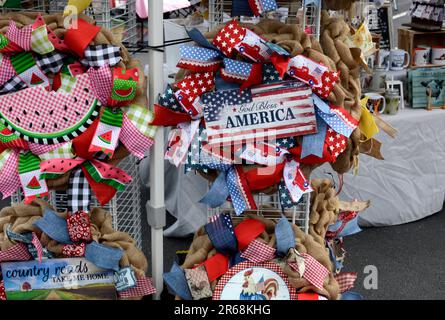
264,112
57,279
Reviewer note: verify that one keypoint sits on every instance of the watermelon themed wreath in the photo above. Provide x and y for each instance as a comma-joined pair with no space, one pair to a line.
258,107
36,231
72,105
233,259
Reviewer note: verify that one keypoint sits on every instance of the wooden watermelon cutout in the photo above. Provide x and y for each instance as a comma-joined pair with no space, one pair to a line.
106,137
34,184
49,117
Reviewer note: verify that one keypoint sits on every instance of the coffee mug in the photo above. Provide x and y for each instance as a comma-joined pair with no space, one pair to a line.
438,55
420,57
424,46
383,59
398,59
375,100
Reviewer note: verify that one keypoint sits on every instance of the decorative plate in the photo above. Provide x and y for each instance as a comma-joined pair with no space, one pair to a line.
254,281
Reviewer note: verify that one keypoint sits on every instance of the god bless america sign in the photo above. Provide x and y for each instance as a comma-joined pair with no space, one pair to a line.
264,112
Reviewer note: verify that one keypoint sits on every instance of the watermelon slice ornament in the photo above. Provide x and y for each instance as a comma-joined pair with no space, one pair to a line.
106,136
29,174
45,117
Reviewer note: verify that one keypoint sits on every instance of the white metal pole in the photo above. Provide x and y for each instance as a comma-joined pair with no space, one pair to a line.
156,205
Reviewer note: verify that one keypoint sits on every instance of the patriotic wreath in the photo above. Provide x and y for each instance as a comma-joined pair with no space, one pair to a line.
250,80
72,105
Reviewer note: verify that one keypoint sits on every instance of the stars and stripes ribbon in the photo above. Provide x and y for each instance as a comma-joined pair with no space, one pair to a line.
199,59
168,100
230,181
104,179
262,6
190,88
244,73
228,37
340,120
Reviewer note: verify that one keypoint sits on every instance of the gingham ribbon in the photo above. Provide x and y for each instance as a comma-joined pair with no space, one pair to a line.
258,252
314,271
22,36
28,71
144,287
101,55
10,182
6,70
346,280
39,40
38,246
102,81
18,252
51,62
79,193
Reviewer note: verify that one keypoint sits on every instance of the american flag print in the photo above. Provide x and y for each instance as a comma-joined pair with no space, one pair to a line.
228,37
270,74
261,6
235,70
278,110
168,100
198,59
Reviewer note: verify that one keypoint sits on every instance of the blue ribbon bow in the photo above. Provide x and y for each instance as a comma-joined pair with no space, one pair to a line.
285,236
177,282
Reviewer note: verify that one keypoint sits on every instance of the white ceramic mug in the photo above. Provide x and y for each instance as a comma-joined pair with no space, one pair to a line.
438,55
421,57
373,99
399,59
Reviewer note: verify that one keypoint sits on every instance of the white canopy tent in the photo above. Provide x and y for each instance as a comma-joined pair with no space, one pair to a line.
156,206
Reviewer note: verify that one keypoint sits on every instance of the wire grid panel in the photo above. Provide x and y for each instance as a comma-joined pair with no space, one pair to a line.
120,19
311,17
125,207
26,5
269,207
289,11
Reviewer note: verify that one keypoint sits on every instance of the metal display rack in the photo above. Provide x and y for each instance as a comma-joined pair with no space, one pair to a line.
269,207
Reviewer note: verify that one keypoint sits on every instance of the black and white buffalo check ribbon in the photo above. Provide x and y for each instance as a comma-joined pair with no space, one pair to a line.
51,62
101,55
79,193
12,85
